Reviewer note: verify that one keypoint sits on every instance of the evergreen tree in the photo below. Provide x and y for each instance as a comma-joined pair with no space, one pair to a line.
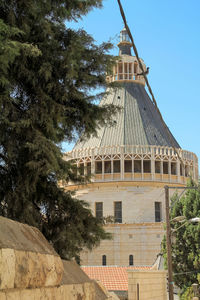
186,239
48,75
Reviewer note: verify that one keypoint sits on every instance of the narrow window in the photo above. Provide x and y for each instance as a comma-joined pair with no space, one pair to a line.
89,168
125,68
98,167
135,68
81,169
157,167
131,260
99,209
107,167
147,166
173,168
165,168
130,68
128,166
137,166
181,169
103,260
116,166
186,171
157,211
118,211
120,67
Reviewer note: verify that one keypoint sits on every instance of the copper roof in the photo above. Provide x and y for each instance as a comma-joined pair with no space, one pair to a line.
138,123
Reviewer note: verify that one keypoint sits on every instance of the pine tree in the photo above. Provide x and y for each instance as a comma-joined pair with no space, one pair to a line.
47,82
186,239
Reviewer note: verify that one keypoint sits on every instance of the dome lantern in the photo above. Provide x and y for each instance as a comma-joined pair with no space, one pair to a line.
125,43
127,67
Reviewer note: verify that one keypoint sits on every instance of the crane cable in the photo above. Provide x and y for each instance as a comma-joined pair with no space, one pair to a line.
146,80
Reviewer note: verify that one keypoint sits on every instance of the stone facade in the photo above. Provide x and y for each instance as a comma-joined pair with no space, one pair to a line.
138,234
141,240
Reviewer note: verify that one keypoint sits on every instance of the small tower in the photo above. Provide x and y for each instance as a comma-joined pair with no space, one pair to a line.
131,163
127,68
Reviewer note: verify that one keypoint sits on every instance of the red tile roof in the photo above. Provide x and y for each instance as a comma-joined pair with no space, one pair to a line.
112,277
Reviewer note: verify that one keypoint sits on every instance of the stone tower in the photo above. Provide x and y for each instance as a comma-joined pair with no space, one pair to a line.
130,164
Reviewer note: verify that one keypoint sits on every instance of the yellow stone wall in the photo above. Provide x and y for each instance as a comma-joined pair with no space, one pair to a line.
138,235
147,285
137,198
140,240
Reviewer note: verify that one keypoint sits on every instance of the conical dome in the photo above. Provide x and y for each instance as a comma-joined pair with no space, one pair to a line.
138,123
139,146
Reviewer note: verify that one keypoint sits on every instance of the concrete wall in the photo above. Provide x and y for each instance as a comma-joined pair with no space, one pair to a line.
30,269
147,285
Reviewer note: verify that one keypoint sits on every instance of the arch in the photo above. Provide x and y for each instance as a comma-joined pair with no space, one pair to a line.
131,260
104,260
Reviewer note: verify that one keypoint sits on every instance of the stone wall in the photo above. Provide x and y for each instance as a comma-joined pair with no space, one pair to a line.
30,269
147,285
140,240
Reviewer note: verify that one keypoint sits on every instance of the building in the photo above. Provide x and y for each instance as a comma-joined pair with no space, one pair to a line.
130,164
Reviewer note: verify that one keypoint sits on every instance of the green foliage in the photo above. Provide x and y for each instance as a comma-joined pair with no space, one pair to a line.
188,294
186,239
48,77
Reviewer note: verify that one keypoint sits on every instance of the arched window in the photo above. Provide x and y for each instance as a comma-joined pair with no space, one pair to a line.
103,260
131,260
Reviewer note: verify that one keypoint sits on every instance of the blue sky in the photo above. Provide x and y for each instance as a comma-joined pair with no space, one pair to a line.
167,36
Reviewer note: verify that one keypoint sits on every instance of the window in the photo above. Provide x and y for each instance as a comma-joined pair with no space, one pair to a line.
99,209
120,67
147,166
107,167
135,68
165,168
89,168
118,211
81,169
131,260
137,166
98,167
186,171
116,166
130,68
103,260
181,169
173,168
157,211
157,167
125,68
128,166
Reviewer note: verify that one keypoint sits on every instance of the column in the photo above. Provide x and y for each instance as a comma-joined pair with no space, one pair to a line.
122,162
152,163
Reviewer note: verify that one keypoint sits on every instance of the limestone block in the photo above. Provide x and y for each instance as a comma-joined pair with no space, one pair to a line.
62,292
2,296
7,268
53,268
27,294
37,270
27,260
13,295
89,291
